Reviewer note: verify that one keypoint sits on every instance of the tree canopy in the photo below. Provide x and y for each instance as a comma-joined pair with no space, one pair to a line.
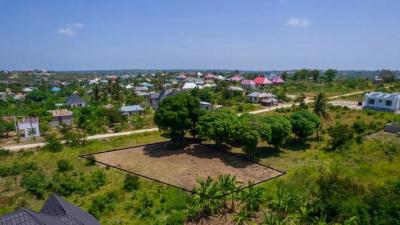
178,114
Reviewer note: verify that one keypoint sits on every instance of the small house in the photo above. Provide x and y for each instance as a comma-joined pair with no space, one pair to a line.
27,127
278,80
383,101
75,100
157,97
236,78
235,88
189,86
205,105
55,89
262,81
61,116
248,84
130,110
256,97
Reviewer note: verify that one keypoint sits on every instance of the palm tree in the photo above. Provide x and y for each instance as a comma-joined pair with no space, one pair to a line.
320,106
252,198
241,217
228,185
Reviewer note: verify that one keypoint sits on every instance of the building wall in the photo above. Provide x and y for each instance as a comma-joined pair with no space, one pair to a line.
380,103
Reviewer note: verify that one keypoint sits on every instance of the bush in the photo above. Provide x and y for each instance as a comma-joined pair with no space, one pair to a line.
103,204
34,183
96,180
66,185
4,152
131,182
53,144
91,160
64,165
341,135
17,169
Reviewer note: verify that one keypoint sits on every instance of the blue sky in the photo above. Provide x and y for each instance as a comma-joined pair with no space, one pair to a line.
193,34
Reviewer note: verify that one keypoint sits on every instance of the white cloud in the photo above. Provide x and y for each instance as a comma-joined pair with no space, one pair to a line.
67,31
71,30
297,22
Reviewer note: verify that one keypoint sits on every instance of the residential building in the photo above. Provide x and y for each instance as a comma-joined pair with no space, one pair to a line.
248,84
277,80
256,97
189,86
75,100
205,105
55,211
383,101
236,78
157,97
130,110
28,127
235,88
262,81
61,116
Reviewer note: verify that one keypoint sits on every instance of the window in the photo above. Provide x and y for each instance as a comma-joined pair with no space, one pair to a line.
31,131
380,100
371,101
389,103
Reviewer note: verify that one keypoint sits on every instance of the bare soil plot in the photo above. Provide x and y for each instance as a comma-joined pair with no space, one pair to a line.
181,168
347,103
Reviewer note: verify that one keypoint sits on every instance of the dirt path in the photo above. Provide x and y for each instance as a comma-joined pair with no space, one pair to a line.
16,148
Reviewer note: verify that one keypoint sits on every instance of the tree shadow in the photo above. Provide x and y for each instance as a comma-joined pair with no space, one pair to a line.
265,152
197,149
295,144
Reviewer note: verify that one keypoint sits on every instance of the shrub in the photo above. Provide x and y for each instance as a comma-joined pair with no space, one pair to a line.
96,180
34,183
53,144
64,165
103,204
17,169
4,152
66,185
91,160
131,182
341,134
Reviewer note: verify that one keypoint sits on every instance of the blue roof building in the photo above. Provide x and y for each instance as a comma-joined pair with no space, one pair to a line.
129,110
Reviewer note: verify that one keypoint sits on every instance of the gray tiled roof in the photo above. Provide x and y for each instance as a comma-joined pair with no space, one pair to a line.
55,211
75,99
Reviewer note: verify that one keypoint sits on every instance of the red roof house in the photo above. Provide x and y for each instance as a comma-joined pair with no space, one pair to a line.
248,84
262,81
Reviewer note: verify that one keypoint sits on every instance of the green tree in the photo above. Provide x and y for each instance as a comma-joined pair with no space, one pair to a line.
315,75
321,106
304,123
281,128
330,74
341,134
178,114
217,125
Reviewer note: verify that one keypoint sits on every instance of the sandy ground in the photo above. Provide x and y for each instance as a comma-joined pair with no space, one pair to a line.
182,167
348,103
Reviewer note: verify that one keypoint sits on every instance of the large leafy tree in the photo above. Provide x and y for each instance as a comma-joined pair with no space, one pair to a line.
178,114
330,75
281,128
304,123
217,125
321,106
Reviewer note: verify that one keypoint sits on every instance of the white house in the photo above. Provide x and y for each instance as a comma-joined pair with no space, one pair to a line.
28,127
383,101
205,105
256,97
